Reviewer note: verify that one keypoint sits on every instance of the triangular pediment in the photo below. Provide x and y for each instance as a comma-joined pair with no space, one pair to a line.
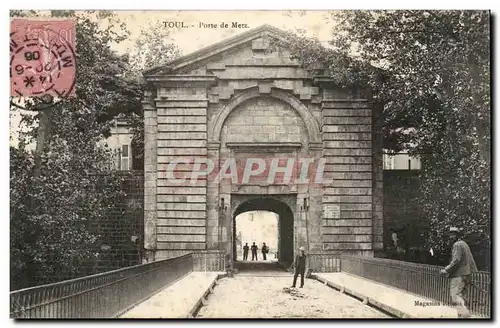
234,46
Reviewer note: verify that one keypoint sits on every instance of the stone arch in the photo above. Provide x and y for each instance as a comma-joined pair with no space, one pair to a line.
309,120
283,206
260,203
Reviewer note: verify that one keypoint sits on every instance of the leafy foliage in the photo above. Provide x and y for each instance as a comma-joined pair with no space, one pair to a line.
427,70
55,197
152,48
51,212
58,198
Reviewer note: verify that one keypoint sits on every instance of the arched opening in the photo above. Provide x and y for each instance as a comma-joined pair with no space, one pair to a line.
259,228
284,232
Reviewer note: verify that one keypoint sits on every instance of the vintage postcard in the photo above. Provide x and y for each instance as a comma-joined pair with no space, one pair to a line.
250,164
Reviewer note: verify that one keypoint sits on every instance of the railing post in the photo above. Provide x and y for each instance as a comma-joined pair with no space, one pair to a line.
98,296
206,254
406,278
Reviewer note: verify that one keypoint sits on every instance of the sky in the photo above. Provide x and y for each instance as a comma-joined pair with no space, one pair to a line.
200,31
195,37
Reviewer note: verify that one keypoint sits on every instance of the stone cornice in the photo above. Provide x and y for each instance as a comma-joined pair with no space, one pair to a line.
263,146
183,80
322,78
316,146
324,81
327,82
213,145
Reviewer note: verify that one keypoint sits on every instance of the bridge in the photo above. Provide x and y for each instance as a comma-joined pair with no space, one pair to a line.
202,285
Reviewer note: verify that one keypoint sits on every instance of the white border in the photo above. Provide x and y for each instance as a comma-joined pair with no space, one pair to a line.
186,5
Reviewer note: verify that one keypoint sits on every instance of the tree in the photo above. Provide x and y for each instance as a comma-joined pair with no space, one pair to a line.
55,192
51,237
428,70
152,48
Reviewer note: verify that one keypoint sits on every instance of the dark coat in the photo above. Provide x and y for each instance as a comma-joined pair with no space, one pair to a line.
300,261
462,262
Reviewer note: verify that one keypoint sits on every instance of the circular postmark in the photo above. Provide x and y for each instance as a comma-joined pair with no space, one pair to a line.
42,65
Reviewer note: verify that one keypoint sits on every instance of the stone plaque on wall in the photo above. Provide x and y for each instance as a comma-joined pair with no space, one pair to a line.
331,211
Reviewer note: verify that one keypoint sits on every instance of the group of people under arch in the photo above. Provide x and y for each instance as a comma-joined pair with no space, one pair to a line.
254,249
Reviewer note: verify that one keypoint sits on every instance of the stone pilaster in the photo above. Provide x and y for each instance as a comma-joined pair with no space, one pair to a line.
315,226
181,105
347,148
150,143
378,183
214,210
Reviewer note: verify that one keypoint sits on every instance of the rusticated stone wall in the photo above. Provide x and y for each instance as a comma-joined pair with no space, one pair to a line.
242,97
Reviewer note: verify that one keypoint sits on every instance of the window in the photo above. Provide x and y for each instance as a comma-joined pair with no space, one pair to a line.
401,161
388,162
124,158
414,163
137,156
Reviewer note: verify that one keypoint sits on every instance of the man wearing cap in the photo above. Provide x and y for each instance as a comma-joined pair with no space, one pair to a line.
459,271
300,267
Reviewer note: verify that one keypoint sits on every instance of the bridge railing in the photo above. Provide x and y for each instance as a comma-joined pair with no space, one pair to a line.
108,294
419,279
209,261
324,262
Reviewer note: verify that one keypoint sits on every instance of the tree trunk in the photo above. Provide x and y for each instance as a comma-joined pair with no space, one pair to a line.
44,135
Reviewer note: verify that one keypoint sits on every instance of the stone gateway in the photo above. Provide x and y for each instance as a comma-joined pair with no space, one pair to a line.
237,100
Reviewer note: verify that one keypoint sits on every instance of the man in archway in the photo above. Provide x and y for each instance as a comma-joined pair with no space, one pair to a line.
265,250
254,252
300,267
245,252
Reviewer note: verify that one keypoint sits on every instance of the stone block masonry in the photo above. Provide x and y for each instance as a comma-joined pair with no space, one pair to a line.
263,120
240,98
182,127
347,148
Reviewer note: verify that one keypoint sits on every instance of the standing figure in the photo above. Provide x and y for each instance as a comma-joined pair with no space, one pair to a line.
459,271
300,267
265,250
229,269
254,252
245,252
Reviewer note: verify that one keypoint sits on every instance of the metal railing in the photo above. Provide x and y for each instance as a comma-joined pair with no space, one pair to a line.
209,261
111,293
324,262
104,295
419,279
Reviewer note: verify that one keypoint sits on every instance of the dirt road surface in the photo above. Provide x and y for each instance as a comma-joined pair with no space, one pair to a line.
265,296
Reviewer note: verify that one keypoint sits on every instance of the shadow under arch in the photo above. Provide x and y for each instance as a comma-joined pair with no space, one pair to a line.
285,223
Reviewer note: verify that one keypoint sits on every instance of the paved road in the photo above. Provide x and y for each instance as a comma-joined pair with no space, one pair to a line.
266,296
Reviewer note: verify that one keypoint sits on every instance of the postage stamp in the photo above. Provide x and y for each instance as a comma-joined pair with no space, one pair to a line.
42,58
